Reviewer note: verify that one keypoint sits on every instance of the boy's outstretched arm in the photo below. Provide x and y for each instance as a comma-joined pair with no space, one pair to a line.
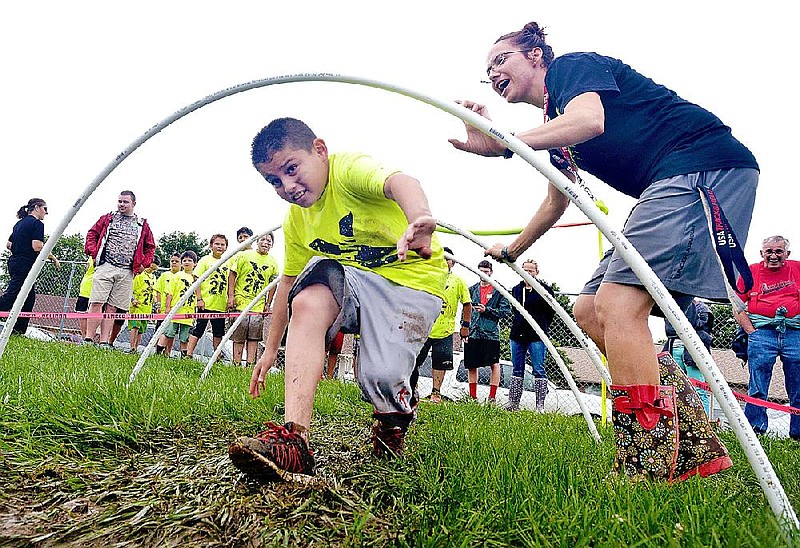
280,319
408,194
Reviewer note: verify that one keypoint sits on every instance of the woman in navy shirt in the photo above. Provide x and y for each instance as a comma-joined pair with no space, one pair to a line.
25,243
644,140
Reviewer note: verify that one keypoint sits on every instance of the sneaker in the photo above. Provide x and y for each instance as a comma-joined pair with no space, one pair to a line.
435,396
277,453
105,346
87,342
129,350
387,441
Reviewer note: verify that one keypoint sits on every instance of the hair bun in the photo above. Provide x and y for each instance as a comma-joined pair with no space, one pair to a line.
534,29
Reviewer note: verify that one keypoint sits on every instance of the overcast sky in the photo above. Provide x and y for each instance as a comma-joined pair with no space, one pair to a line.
82,80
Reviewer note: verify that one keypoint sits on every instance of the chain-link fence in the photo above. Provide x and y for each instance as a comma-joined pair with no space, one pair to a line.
57,290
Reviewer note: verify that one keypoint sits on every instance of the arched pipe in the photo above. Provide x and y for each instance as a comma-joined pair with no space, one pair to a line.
579,397
540,160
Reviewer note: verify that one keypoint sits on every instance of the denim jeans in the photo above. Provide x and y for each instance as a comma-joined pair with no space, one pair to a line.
764,345
518,352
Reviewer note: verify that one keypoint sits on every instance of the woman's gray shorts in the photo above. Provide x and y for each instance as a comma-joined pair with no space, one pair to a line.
669,229
393,322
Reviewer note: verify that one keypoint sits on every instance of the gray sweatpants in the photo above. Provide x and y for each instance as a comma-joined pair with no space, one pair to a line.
393,322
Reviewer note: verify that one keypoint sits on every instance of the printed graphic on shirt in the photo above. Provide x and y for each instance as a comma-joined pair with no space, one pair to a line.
214,289
143,293
253,272
365,255
355,224
123,235
178,287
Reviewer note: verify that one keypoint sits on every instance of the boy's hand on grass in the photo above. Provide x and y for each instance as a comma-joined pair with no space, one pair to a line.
260,371
417,238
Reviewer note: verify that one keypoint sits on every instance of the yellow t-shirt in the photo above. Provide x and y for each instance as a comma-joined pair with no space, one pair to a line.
163,282
455,291
214,289
85,288
177,287
354,223
253,272
143,284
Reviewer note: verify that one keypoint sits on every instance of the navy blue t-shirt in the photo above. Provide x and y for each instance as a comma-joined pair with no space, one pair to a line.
650,132
541,312
26,230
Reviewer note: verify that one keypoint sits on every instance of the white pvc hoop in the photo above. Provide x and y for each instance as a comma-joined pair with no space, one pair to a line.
185,297
545,339
234,325
587,343
770,484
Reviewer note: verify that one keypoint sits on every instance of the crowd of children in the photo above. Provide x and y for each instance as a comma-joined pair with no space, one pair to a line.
230,288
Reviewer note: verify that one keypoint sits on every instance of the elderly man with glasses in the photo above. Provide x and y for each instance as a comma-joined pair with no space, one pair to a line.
772,322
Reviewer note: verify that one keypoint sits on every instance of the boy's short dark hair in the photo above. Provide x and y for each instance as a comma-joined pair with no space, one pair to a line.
191,254
155,261
279,134
244,230
223,237
485,264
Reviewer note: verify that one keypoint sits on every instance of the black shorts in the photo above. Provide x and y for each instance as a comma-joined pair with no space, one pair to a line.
217,325
481,353
82,304
120,321
441,353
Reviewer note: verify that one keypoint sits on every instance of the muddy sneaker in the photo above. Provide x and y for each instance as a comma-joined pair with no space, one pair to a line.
277,453
387,441
435,396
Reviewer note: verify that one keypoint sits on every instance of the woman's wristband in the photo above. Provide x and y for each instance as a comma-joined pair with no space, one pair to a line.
508,153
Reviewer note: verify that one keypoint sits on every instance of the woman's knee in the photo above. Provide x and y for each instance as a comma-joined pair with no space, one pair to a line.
585,314
622,304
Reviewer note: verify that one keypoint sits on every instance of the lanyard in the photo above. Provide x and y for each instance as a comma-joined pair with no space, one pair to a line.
728,249
566,161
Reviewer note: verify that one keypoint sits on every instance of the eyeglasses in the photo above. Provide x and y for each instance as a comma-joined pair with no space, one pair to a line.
777,252
43,207
498,61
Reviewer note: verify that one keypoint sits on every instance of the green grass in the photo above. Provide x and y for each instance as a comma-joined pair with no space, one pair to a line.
86,460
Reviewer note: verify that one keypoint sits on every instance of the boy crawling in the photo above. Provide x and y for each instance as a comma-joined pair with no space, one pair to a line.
360,258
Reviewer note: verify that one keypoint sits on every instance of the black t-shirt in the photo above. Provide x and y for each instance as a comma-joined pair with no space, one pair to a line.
541,312
26,230
650,132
